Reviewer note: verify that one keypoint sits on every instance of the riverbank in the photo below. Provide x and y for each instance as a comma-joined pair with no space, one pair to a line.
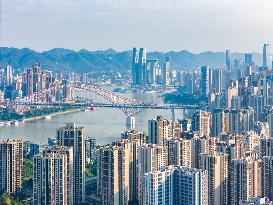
12,118
30,119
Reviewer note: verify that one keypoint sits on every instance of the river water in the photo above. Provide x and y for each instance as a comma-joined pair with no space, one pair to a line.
104,124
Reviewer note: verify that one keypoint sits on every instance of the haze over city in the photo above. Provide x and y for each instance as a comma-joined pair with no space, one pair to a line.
158,25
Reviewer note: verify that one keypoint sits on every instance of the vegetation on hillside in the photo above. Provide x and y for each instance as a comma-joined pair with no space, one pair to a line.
7,114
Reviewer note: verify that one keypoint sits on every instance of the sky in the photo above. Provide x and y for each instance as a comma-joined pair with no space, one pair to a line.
158,25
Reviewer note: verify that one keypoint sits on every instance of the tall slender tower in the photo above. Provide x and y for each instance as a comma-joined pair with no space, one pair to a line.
72,136
166,72
204,80
8,75
134,66
142,66
219,86
29,82
11,165
228,61
265,55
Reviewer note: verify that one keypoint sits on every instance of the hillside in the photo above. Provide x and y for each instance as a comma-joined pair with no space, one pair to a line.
108,60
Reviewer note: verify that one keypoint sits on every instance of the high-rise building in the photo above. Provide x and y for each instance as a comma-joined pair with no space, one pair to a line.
257,201
139,68
113,168
248,59
175,185
68,91
159,130
136,139
134,69
216,165
180,152
228,60
201,122
8,75
11,165
270,122
204,80
152,68
245,180
51,179
68,152
30,89
265,56
220,122
267,177
166,72
266,147
201,145
190,186
36,78
30,149
158,187
142,66
232,91
151,158
219,80
90,148
72,136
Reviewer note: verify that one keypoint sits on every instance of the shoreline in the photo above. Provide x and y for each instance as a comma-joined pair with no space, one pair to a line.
31,119
42,117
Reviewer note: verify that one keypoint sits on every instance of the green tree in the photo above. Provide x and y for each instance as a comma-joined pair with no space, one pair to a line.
5,199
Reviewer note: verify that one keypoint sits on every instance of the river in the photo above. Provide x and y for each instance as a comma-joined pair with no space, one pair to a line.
104,124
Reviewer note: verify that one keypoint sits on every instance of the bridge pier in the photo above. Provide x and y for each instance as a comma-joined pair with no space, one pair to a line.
130,123
173,115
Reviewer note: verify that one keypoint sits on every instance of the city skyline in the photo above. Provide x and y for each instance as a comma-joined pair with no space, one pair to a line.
189,25
134,126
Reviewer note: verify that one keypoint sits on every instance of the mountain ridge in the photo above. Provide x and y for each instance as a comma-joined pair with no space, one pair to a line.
107,60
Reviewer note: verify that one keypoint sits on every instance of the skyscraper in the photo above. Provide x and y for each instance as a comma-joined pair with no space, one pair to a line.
158,187
30,89
134,64
180,152
248,59
175,185
219,80
72,136
53,176
8,75
11,165
142,66
245,180
267,179
216,165
159,130
139,67
166,72
201,122
152,68
204,80
265,55
228,61
136,139
113,174
190,186
90,148
36,78
150,158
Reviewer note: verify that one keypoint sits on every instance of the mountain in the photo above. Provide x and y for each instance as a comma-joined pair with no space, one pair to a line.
107,60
